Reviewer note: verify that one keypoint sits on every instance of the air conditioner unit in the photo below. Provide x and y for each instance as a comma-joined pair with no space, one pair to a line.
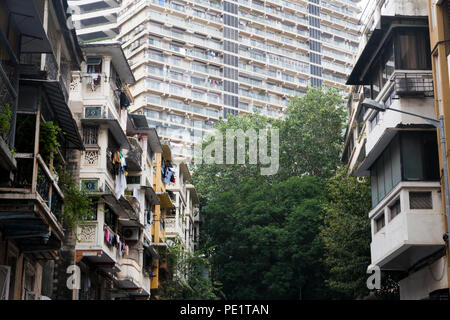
130,233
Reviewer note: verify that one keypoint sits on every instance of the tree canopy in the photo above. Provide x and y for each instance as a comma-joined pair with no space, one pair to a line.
301,233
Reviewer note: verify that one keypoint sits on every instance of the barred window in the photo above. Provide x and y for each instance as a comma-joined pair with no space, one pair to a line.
420,200
90,135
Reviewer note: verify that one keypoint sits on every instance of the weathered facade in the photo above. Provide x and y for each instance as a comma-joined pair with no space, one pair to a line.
37,53
399,151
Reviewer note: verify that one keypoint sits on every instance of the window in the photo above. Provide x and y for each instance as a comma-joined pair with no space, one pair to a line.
374,120
379,223
110,218
395,209
412,50
90,135
94,64
411,156
420,200
420,156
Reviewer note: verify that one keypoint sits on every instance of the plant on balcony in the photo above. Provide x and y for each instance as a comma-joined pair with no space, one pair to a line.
48,139
5,119
77,203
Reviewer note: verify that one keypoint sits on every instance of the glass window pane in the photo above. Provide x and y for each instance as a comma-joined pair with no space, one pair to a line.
412,157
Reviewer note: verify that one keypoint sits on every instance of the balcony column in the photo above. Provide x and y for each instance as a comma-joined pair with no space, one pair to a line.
36,142
106,70
103,144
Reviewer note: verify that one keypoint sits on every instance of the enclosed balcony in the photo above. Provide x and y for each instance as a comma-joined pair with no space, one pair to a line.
407,226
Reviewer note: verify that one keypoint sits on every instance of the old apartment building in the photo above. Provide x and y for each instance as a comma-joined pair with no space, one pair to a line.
398,150
38,54
64,110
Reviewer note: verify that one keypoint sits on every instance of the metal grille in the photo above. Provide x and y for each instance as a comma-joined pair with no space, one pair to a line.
90,135
414,84
420,200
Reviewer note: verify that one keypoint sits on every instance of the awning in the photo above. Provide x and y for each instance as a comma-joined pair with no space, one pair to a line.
137,123
120,207
29,230
61,110
376,42
164,200
114,127
151,195
151,251
377,150
386,138
26,19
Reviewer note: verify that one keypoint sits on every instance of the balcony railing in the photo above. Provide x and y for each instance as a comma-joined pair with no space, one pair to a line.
47,187
414,84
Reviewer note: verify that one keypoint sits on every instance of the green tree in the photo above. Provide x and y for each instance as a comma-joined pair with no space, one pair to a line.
266,237
346,234
311,137
188,278
266,229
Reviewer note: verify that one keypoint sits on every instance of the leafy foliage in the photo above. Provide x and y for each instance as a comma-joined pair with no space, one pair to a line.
311,136
267,251
188,279
346,234
48,138
5,119
77,204
275,220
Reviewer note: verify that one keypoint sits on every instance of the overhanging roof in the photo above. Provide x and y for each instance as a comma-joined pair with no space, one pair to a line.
148,247
380,35
119,60
377,150
115,128
193,192
357,76
61,110
137,124
26,18
151,195
185,170
164,200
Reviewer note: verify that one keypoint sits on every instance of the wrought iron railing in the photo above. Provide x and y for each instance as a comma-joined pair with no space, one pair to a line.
414,84
43,185
47,187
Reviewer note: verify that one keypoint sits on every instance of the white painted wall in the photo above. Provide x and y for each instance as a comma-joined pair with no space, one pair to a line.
419,284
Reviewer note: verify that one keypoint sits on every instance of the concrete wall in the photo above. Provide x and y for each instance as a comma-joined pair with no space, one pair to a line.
405,8
419,284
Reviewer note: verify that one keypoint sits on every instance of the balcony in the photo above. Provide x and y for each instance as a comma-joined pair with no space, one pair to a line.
130,275
134,155
31,212
106,116
407,228
92,246
414,84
